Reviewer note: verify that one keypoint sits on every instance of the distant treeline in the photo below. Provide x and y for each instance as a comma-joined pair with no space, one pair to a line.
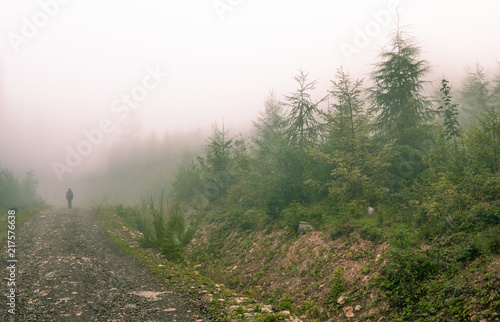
20,194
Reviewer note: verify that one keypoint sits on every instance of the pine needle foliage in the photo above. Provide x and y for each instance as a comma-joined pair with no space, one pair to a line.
401,109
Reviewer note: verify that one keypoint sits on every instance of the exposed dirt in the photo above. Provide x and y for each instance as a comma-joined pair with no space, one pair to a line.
68,270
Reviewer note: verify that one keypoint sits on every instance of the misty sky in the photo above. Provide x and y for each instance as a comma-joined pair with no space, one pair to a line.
77,65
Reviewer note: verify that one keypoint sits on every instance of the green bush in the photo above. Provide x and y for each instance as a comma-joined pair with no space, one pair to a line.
353,209
489,240
343,228
176,234
294,213
252,219
469,253
406,270
171,248
164,228
337,287
371,233
152,219
285,303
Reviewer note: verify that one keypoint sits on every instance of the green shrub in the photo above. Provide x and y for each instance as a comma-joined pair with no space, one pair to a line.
167,230
469,253
489,240
171,248
176,234
294,213
342,229
407,269
251,220
354,209
285,303
337,287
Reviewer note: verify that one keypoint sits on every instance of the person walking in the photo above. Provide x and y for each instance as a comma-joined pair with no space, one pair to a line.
69,197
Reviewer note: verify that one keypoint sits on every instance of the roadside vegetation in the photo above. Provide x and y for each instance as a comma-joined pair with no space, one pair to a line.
399,193
19,195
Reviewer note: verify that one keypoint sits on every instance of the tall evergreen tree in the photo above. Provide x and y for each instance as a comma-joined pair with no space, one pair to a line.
277,177
484,140
474,93
302,123
449,112
402,110
356,168
346,115
269,125
217,164
495,95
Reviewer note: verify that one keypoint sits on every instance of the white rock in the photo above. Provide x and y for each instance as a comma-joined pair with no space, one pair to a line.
348,312
266,308
130,306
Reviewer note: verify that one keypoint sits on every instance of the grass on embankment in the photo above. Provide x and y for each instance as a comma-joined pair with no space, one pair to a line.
224,303
364,267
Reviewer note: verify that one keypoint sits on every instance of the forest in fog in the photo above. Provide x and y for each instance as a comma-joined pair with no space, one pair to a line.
401,162
361,142
367,141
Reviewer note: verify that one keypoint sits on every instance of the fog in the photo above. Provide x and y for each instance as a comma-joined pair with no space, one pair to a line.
103,77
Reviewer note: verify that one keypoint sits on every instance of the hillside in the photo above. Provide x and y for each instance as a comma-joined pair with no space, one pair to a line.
359,269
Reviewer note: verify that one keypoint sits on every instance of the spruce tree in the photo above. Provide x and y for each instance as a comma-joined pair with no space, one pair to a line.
269,126
474,93
346,115
277,162
302,123
484,140
495,95
450,115
217,165
401,110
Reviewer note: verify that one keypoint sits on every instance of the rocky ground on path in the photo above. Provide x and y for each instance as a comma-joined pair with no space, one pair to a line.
68,270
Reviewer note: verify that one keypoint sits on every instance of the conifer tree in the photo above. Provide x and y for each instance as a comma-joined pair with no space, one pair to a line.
217,165
474,93
269,125
302,123
495,95
450,115
277,177
401,110
484,140
347,115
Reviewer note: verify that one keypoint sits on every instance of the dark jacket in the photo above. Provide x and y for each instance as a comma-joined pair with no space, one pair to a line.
69,195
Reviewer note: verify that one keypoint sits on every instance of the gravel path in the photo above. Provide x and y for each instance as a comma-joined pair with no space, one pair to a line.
68,270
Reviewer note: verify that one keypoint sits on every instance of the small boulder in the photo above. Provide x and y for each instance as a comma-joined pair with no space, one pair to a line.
348,312
303,228
266,308
49,275
131,306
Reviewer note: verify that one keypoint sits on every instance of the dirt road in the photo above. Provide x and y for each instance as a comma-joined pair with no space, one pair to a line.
67,270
